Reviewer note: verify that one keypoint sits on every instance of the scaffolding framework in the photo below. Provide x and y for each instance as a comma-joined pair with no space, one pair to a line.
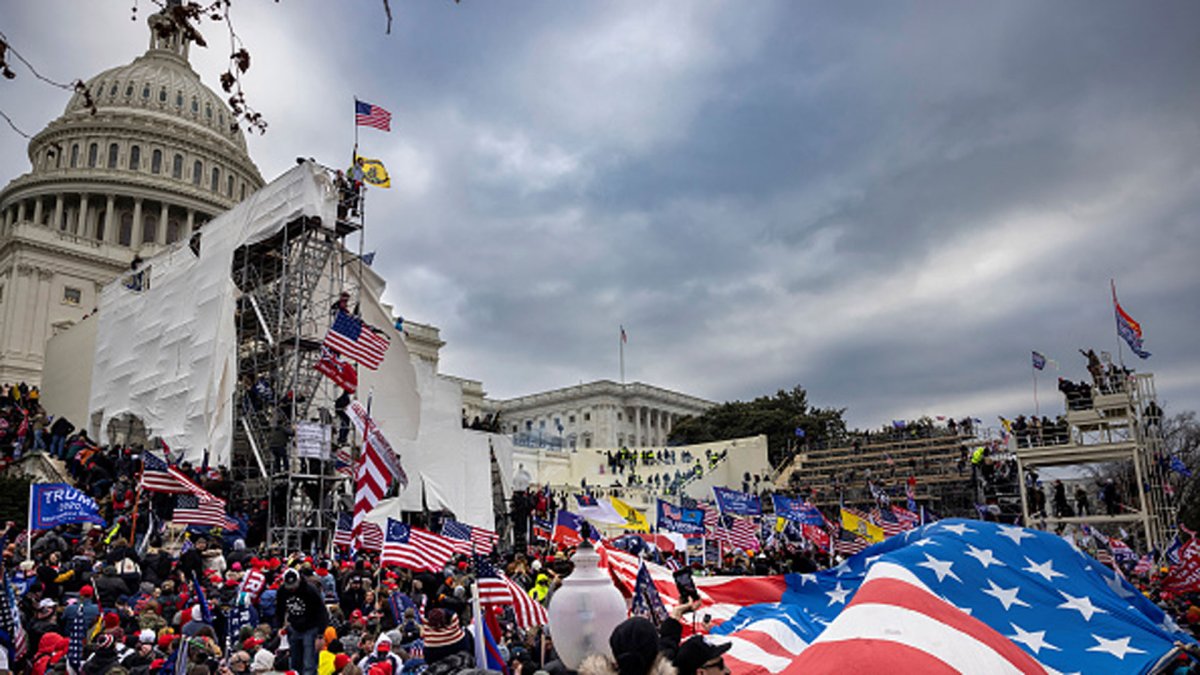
1123,424
289,285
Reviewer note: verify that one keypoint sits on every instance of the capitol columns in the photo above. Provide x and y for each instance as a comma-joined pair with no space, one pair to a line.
107,234
160,232
81,227
136,234
191,223
58,211
21,211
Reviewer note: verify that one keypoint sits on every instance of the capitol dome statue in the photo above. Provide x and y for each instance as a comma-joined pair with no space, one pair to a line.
160,156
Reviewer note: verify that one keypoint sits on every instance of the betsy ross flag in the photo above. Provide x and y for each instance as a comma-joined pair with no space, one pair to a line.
342,373
1129,330
367,115
469,539
351,337
414,548
192,510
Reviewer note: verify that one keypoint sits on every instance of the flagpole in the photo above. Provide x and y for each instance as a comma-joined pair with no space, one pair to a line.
1037,409
621,343
29,526
1120,350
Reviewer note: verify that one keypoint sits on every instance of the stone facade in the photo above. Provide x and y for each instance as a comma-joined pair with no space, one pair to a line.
159,158
602,414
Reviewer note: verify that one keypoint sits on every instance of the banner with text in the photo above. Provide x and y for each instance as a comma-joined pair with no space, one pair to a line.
798,511
677,519
737,503
54,504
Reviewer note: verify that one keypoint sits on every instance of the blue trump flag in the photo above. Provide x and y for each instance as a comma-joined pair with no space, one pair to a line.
678,519
737,503
798,511
54,504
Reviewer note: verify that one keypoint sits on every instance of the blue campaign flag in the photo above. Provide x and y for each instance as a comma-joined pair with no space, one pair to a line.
798,511
738,503
799,432
1062,607
677,519
54,504
646,600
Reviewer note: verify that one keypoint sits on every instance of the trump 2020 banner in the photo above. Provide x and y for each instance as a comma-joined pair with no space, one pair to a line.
737,503
798,511
677,519
54,504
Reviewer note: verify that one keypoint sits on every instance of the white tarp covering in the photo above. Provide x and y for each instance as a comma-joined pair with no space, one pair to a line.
167,354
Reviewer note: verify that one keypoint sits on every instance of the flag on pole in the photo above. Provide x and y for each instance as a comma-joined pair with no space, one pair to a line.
371,171
350,336
158,476
367,115
469,539
1039,360
1127,328
414,548
191,510
624,338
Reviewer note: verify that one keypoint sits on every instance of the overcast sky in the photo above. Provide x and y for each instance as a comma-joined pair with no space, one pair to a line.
890,204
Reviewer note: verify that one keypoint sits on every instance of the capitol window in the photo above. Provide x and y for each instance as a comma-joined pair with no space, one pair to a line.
172,231
229,187
162,95
243,192
93,153
197,171
177,169
149,228
156,161
145,91
195,105
112,155
125,234
129,90
113,92
74,155
135,158
179,99
72,296
587,417
208,110
216,178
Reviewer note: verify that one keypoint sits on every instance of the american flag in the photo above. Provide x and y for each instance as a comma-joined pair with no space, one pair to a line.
469,539
373,475
350,336
887,520
342,373
158,476
343,534
1144,565
192,510
492,589
76,635
367,115
741,533
343,462
924,594
367,428
906,517
846,542
414,548
10,620
497,589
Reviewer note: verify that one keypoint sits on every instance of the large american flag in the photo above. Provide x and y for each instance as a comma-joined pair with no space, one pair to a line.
469,539
351,337
367,115
414,548
919,596
374,473
497,589
158,476
10,620
343,534
192,510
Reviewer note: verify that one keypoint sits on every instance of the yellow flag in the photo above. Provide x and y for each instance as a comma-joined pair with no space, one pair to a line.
780,523
862,527
372,171
634,519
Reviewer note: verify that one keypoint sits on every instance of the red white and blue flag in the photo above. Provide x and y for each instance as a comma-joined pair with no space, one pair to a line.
351,337
367,115
342,373
1129,330
414,548
468,539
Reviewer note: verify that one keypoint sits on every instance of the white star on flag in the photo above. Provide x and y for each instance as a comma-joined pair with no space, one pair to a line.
958,528
1118,648
1045,569
1015,533
940,567
838,594
984,556
1083,604
1006,596
1035,640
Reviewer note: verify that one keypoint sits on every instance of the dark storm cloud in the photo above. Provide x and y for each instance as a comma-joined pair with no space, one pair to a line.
890,204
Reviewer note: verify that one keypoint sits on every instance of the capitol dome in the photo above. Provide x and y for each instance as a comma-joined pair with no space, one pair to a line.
160,156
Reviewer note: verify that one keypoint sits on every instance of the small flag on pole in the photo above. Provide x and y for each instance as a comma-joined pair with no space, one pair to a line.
367,115
372,171
1039,360
1127,328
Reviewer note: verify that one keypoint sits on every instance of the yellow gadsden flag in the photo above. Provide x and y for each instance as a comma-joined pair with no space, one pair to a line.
372,172
634,519
862,527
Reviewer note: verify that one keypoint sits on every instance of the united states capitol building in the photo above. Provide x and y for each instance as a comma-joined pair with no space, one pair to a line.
159,157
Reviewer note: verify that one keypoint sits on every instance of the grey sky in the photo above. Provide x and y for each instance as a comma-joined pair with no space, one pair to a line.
890,204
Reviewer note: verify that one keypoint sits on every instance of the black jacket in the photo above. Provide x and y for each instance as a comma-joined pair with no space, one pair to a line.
303,608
